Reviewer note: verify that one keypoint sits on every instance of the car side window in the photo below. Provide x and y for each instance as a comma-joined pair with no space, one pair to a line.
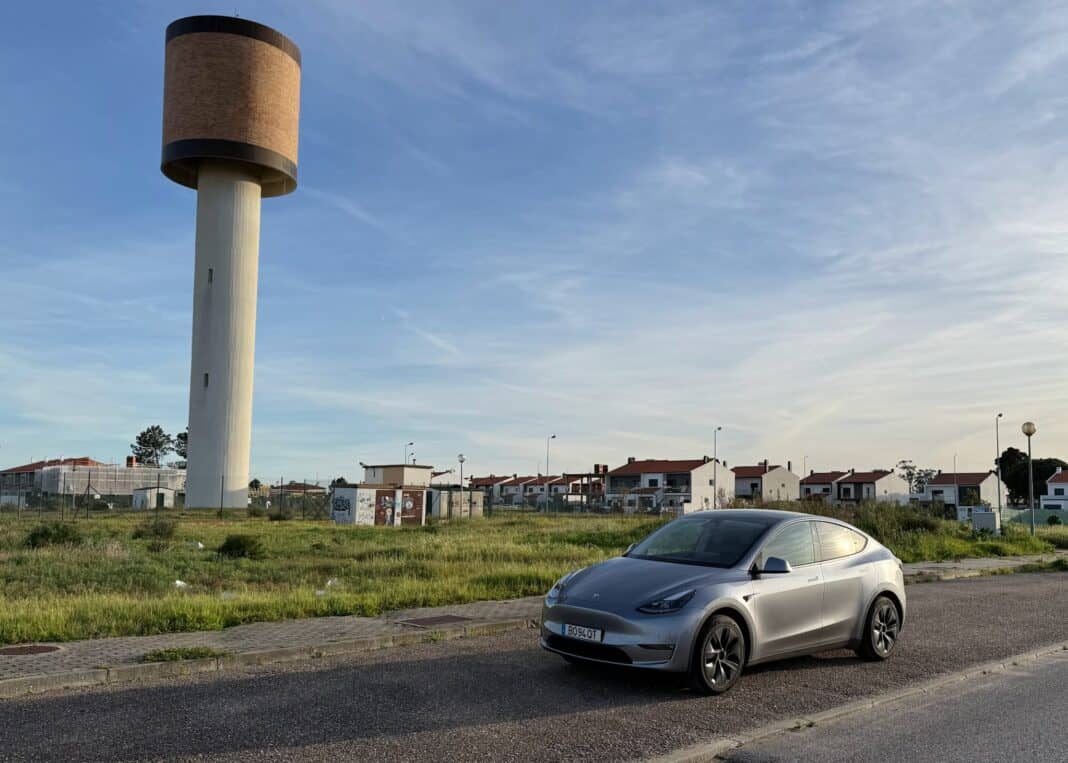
794,544
837,541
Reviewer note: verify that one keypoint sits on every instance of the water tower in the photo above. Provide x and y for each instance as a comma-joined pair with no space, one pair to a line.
231,105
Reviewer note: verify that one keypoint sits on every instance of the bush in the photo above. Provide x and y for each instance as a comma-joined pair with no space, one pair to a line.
1052,520
155,529
257,511
279,516
158,546
242,547
54,534
177,653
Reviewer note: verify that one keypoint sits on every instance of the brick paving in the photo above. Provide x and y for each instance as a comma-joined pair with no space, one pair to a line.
321,631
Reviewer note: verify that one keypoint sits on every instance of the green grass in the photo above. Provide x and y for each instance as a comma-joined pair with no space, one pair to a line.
114,584
1057,535
174,654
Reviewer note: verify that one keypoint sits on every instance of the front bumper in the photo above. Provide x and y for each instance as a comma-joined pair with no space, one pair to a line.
656,642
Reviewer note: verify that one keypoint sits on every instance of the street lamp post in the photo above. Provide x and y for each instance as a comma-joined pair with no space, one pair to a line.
1029,429
997,456
461,459
406,446
715,467
548,439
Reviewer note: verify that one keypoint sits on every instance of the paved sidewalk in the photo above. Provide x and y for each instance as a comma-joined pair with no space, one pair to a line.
113,660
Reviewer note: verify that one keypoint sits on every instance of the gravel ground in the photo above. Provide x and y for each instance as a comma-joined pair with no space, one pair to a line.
500,698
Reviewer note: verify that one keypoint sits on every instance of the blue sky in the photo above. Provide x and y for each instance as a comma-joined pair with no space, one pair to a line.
837,230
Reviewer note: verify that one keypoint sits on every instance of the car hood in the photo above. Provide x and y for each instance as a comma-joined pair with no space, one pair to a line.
623,583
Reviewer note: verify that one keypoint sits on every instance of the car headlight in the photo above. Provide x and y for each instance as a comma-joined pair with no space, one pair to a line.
672,603
558,586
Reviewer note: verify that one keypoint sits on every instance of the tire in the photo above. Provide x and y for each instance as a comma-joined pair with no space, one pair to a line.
718,656
882,627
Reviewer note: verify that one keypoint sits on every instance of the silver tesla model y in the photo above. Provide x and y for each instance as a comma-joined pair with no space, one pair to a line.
710,593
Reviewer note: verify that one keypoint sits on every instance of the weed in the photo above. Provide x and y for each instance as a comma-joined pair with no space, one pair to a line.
242,547
177,653
156,529
54,534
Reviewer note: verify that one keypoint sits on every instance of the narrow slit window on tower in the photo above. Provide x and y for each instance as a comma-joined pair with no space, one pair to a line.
205,380
211,274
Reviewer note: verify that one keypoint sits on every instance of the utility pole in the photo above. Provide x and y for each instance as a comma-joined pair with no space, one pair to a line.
547,441
1029,429
997,456
715,468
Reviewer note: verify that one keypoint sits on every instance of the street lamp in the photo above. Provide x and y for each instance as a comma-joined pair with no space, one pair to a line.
461,459
548,439
715,467
406,446
997,456
1029,429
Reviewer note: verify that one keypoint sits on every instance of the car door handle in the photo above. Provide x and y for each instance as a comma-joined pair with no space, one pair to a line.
814,580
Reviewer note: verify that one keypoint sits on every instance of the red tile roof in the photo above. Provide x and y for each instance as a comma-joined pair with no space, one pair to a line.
81,461
299,487
753,471
822,478
873,476
968,479
1061,476
656,466
489,481
516,481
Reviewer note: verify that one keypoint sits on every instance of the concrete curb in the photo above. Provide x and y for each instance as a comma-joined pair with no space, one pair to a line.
719,748
22,686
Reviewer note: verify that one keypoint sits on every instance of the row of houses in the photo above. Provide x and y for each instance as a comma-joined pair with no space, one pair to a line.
705,483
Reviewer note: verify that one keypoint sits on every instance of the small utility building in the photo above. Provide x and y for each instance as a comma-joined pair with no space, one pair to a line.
390,495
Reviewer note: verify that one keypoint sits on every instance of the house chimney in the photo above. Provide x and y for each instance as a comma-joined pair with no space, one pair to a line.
789,466
707,459
852,470
1058,470
811,472
631,459
131,462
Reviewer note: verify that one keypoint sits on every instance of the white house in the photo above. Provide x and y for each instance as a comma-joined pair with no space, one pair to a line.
490,485
153,498
876,485
819,486
678,485
1056,496
511,491
772,483
963,491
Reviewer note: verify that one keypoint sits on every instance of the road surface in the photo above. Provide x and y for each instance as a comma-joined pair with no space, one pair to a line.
500,698
1015,715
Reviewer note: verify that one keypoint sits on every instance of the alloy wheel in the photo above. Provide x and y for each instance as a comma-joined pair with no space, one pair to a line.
885,625
722,659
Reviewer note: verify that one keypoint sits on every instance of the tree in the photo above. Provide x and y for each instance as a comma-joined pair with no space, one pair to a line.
917,477
152,445
1014,474
181,444
339,482
254,484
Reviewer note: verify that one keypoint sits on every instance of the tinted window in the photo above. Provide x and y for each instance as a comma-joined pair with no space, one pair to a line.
837,541
716,541
794,544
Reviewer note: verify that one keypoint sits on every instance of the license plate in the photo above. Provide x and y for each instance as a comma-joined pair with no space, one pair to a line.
582,633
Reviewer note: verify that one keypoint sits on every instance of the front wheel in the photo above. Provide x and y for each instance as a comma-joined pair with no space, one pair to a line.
718,656
880,630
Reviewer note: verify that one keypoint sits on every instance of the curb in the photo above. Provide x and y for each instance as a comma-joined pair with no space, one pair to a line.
22,686
718,749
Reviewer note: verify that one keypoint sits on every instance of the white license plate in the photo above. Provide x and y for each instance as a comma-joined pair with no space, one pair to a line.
582,633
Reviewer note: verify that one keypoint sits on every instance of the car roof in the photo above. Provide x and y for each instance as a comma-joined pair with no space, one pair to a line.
770,514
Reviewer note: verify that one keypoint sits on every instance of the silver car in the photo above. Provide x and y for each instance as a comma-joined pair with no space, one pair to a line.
710,593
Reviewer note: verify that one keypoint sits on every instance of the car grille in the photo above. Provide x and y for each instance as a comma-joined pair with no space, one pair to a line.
587,649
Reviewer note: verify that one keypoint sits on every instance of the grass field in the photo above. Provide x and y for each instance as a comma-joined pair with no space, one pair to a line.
118,576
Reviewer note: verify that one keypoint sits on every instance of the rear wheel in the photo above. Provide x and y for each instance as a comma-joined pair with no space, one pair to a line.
718,656
881,630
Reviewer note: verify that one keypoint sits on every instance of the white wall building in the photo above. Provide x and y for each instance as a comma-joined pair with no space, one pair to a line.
767,482
1056,496
819,486
963,490
876,485
680,485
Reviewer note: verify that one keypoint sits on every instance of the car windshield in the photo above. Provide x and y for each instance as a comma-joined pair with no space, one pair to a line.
716,541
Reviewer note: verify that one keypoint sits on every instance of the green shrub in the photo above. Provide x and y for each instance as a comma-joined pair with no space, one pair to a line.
54,534
155,529
157,546
1052,520
174,654
279,516
257,511
242,547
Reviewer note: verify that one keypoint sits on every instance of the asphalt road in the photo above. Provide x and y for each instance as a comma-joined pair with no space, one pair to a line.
501,698
1016,715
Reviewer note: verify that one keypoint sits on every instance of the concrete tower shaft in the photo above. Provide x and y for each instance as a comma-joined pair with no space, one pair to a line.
230,119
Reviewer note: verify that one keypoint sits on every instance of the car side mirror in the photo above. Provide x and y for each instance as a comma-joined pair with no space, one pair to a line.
774,565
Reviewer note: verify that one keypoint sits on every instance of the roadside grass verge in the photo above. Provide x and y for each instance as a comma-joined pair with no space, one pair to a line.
122,578
1056,534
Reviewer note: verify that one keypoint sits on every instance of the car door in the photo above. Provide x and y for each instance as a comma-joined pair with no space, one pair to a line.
787,607
843,570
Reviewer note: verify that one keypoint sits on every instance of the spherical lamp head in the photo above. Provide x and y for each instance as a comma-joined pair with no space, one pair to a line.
1029,428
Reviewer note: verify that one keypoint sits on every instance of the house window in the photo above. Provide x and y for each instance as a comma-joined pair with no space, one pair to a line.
654,482
1058,491
205,380
827,490
211,274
